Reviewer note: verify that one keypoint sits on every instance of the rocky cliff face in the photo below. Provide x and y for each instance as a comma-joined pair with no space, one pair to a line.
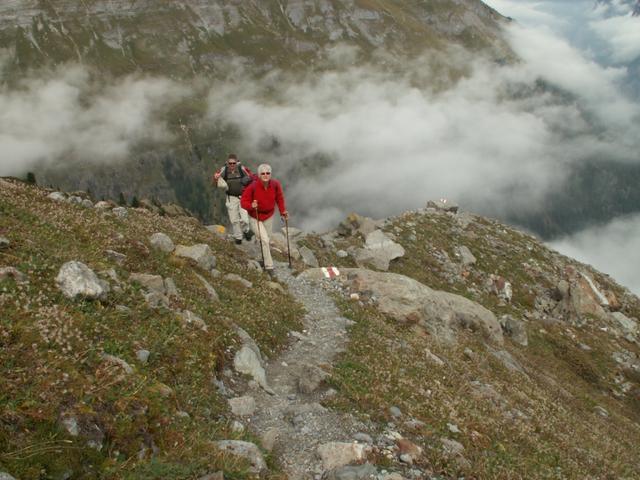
197,36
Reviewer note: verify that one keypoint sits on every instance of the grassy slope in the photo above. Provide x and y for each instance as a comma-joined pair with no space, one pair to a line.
539,425
50,346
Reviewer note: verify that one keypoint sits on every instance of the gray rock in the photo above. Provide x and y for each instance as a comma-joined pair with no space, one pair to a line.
152,283
395,412
201,253
409,301
113,360
57,196
338,454
213,295
237,427
143,355
242,406
74,200
466,257
308,257
117,257
443,205
156,300
356,472
120,212
515,329
12,272
433,357
6,476
170,288
379,250
213,476
246,361
102,205
189,318
342,254
75,279
4,243
310,379
628,325
451,448
86,203
363,438
162,242
232,277
269,439
246,450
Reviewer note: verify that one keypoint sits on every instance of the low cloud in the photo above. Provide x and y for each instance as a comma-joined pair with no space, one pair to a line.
622,34
494,141
613,249
67,116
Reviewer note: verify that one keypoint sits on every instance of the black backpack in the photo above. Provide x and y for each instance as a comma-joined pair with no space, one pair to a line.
244,178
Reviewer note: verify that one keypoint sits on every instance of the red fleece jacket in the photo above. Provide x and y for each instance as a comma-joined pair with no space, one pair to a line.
267,198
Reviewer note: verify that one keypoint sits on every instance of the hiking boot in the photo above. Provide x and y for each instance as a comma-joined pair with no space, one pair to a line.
238,241
271,273
248,235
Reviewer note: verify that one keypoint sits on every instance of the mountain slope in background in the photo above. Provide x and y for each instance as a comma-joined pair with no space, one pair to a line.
205,37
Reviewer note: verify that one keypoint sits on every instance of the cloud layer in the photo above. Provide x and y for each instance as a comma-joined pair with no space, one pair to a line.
613,248
66,117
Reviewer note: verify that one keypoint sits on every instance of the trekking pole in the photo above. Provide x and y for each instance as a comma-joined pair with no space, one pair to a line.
286,229
260,237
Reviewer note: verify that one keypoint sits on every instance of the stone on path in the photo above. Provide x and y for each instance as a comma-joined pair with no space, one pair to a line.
246,450
242,406
75,279
339,454
247,361
356,472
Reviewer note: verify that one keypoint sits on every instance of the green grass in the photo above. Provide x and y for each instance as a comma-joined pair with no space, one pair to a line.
51,347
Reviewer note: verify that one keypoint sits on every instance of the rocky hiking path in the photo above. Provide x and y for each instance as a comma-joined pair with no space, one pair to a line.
309,438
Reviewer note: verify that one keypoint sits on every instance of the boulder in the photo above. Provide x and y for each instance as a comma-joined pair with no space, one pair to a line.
379,250
120,212
515,329
308,257
201,253
628,326
152,283
443,205
408,300
12,272
466,257
232,277
57,196
173,210
162,242
242,406
6,476
355,223
339,454
249,451
356,472
189,318
247,361
213,295
75,279
4,243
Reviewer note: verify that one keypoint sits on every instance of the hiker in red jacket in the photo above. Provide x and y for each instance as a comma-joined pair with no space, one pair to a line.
259,199
233,177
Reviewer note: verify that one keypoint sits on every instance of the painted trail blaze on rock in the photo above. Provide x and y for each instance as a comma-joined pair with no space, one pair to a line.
330,272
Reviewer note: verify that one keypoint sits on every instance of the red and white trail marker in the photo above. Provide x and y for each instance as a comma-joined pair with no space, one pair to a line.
330,272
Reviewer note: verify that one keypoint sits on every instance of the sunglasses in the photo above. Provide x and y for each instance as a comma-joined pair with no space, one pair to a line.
265,173
232,163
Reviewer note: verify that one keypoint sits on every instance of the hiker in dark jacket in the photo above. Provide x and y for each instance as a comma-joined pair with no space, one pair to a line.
260,199
234,177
